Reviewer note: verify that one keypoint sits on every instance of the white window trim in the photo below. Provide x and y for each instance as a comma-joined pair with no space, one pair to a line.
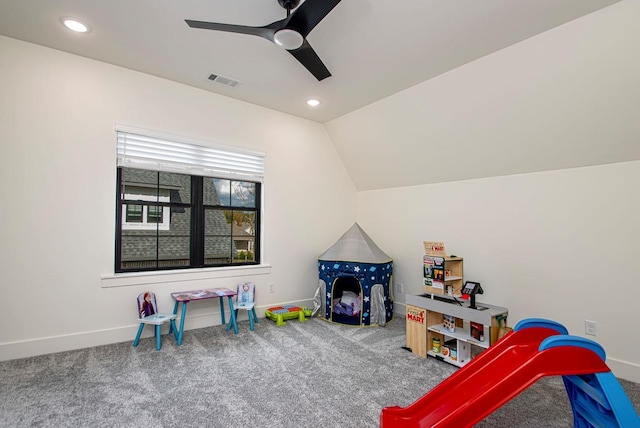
181,275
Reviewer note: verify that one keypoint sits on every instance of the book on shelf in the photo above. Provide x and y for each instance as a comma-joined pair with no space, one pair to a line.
477,331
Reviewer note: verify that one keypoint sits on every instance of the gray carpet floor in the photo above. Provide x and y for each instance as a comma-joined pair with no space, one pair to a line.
313,374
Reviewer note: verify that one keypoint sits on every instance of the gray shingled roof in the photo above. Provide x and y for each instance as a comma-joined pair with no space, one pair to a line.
174,243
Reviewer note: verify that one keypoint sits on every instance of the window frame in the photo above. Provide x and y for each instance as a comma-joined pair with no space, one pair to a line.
197,207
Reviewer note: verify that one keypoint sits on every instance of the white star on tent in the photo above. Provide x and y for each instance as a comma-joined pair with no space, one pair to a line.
357,269
366,299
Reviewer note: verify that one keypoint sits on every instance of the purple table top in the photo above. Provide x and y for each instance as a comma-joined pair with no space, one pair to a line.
208,293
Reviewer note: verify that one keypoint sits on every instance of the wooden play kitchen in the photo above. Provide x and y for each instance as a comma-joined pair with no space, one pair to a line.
428,333
440,323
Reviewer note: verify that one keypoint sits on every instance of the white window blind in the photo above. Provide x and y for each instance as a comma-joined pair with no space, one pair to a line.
157,153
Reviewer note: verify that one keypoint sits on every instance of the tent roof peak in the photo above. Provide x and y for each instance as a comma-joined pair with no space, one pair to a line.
355,246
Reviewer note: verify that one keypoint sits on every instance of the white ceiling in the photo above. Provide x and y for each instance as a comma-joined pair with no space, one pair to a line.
373,48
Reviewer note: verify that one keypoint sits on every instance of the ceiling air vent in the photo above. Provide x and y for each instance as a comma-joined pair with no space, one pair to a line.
224,80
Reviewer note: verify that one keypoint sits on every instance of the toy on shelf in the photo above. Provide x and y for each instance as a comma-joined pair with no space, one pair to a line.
535,348
280,314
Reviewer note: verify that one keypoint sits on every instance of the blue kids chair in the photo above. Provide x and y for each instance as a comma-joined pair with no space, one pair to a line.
245,299
148,313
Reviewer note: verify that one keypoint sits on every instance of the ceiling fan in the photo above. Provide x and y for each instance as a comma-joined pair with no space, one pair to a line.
290,33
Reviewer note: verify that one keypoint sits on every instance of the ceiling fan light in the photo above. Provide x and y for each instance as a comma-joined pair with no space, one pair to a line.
288,39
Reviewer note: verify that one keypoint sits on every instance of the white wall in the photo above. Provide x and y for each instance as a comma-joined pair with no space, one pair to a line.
562,245
57,183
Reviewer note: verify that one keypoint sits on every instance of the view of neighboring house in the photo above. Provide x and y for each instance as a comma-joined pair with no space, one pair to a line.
156,216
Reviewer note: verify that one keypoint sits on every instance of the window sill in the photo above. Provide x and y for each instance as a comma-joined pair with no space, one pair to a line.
158,277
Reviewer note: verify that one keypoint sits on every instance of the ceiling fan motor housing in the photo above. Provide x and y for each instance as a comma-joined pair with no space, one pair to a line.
289,4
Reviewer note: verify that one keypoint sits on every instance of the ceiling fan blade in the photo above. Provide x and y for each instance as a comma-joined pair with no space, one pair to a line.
311,61
309,14
266,32
303,20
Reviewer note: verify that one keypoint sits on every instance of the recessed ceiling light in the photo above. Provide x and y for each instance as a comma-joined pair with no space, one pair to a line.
75,25
313,102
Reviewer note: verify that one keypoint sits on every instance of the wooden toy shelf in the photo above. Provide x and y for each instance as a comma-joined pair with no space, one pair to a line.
426,321
442,274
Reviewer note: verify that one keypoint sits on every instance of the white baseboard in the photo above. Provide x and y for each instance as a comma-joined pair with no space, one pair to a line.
66,342
126,333
624,370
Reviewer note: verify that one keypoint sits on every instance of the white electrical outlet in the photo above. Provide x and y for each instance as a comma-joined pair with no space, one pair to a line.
590,327
400,287
272,287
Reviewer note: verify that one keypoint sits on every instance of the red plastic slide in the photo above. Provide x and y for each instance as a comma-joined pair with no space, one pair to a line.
493,378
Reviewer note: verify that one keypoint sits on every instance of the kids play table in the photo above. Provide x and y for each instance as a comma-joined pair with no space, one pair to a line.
185,297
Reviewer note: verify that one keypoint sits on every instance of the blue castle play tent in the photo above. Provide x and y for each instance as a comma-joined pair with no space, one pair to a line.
355,281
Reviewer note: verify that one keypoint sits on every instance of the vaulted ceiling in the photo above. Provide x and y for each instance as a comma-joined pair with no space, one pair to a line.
373,48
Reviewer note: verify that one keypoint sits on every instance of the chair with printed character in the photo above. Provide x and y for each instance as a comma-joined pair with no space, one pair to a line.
148,313
245,299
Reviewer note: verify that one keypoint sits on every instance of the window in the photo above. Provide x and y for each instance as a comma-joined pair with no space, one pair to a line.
134,213
146,203
154,214
167,219
230,219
